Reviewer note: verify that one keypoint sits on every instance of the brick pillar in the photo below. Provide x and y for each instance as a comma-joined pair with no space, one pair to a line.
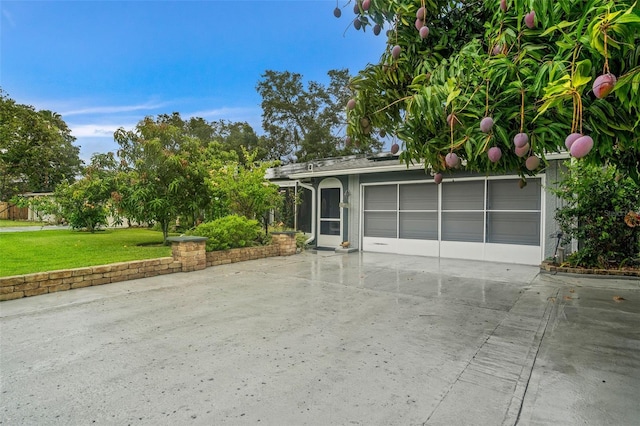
190,252
285,241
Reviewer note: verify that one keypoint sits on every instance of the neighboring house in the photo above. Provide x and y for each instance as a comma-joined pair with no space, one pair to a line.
11,211
379,204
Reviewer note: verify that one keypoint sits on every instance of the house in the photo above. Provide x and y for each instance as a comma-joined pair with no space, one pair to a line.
378,204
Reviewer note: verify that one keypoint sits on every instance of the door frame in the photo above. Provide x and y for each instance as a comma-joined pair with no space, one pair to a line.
329,240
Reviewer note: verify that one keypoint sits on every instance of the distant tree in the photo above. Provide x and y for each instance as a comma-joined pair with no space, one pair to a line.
88,202
305,123
162,173
229,135
238,137
200,129
36,149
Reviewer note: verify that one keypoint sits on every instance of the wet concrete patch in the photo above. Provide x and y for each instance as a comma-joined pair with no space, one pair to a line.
311,339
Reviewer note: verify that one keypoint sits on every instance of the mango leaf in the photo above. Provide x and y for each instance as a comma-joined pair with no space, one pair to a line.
452,96
582,74
628,19
559,26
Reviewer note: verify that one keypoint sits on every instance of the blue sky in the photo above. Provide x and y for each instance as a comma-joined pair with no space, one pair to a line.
107,64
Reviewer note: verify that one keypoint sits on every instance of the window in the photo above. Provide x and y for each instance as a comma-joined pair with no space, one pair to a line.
463,211
513,213
380,211
418,211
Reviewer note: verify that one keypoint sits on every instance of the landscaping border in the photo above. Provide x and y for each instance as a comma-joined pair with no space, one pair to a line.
188,254
550,267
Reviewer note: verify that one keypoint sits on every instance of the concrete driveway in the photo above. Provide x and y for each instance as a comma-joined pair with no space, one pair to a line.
327,339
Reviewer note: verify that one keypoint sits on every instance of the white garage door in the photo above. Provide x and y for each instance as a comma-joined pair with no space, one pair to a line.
483,219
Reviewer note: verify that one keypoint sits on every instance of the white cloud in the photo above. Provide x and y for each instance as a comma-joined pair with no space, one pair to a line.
97,130
114,109
228,113
106,130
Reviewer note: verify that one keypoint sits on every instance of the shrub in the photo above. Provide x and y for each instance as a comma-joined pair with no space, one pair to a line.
597,199
83,204
228,232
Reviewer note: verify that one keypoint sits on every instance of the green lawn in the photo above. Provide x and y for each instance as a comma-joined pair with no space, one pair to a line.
6,223
40,251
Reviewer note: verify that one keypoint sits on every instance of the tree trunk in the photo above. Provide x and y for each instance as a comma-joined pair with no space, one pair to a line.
164,224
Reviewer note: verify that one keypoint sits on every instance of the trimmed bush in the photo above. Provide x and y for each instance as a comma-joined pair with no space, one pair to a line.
228,232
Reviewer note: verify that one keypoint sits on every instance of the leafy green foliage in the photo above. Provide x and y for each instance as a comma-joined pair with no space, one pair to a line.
44,207
79,205
228,232
480,61
244,188
161,174
223,139
301,123
597,199
36,149
168,170
87,203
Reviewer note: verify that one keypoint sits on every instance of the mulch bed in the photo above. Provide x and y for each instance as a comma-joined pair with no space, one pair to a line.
622,272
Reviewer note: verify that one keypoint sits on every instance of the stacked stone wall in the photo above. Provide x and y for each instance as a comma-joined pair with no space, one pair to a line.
188,254
19,286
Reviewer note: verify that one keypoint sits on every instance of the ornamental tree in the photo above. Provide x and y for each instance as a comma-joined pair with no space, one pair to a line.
542,70
162,173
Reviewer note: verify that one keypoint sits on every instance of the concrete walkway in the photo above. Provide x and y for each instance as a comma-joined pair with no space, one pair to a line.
327,339
33,228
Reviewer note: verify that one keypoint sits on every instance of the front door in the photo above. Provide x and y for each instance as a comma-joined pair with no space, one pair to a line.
330,217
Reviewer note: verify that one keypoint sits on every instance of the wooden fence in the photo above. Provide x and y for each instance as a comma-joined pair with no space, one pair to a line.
13,212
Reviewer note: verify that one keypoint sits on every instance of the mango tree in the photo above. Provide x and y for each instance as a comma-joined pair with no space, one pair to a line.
162,174
498,85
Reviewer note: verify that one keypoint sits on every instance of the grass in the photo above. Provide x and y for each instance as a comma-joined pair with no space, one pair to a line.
6,223
41,251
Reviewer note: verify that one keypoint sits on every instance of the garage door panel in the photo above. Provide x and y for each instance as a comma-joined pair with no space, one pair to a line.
507,195
419,197
526,255
380,224
462,250
418,247
463,226
381,197
463,195
419,225
380,245
513,228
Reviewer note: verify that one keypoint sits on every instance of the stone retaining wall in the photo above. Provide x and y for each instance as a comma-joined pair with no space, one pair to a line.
283,244
188,255
20,286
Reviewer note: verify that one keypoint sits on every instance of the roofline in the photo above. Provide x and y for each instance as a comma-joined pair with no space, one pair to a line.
564,155
358,171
